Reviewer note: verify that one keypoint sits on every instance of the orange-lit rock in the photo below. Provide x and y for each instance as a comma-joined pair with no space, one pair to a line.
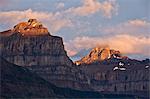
6,33
105,54
99,54
30,28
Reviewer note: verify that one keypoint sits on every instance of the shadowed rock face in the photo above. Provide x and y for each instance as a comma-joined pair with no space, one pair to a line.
34,50
19,82
45,55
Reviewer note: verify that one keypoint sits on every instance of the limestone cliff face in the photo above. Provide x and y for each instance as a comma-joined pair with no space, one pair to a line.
34,50
128,79
43,54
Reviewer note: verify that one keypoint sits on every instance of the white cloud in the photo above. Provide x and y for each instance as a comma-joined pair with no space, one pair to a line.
126,44
53,21
107,8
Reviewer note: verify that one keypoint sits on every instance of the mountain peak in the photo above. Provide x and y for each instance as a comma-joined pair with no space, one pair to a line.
32,27
100,54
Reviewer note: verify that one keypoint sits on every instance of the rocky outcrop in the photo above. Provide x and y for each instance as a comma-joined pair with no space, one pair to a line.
99,54
32,27
109,71
45,55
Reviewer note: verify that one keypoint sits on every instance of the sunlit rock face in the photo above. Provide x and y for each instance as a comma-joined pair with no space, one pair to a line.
43,54
99,54
32,27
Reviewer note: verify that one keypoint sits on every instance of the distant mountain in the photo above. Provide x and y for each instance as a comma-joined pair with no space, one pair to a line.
100,54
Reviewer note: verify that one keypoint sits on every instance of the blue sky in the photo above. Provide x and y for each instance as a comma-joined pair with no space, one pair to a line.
120,24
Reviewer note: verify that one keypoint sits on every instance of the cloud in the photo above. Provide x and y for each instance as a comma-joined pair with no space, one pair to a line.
107,7
138,22
69,49
126,44
130,37
59,24
53,21
135,27
60,5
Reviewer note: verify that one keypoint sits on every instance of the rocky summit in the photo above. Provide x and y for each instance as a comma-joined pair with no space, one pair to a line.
100,54
32,27
43,54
